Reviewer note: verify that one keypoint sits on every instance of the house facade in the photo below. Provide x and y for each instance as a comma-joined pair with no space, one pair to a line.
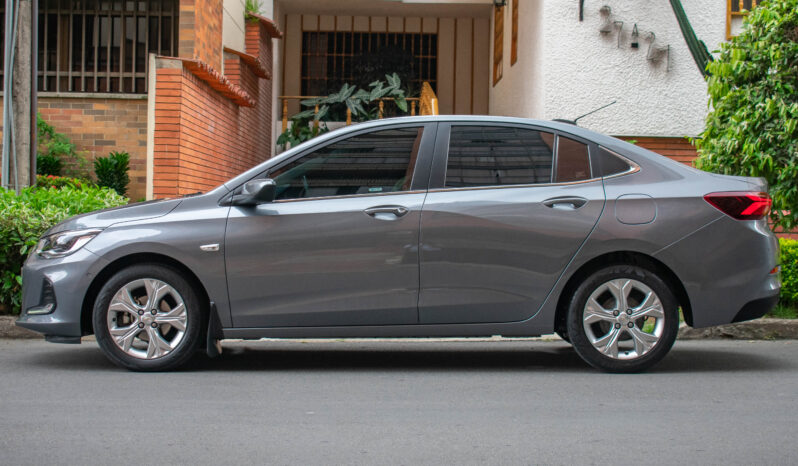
184,87
196,91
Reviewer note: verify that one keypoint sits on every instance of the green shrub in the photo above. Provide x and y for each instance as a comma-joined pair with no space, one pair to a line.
253,7
48,165
789,272
51,181
752,128
25,217
56,154
112,171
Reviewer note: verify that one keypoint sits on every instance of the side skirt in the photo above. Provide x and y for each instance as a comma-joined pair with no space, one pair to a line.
513,329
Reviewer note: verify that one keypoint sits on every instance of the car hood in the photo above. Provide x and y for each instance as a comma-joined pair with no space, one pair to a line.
107,217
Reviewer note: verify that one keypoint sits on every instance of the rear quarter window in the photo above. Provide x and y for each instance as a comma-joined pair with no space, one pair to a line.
611,163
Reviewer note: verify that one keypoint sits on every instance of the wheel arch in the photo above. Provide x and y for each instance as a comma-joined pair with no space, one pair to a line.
626,258
125,261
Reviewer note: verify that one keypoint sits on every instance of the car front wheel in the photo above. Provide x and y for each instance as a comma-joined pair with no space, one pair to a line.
623,319
147,318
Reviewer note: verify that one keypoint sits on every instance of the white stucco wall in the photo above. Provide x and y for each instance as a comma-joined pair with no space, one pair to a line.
567,68
520,91
233,24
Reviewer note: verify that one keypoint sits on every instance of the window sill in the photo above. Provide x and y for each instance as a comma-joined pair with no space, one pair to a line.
90,95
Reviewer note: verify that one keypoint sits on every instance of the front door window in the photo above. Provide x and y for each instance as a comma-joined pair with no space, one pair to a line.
371,163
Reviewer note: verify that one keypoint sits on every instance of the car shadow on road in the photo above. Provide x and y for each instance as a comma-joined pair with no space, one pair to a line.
458,357
486,357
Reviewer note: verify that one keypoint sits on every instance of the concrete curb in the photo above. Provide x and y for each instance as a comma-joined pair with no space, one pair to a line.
9,330
760,329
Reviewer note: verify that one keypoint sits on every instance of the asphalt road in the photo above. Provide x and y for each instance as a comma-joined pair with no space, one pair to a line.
527,402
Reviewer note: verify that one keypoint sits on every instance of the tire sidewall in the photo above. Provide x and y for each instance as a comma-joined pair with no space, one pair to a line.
579,338
187,345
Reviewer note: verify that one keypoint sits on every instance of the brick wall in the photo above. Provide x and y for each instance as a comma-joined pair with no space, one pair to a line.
99,126
202,138
200,31
678,149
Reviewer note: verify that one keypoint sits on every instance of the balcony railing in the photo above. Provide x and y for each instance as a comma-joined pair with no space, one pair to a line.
427,104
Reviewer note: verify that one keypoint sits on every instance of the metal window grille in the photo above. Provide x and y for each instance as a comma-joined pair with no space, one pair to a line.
102,45
330,59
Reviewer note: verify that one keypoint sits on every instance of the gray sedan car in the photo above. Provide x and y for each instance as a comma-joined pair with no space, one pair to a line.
418,227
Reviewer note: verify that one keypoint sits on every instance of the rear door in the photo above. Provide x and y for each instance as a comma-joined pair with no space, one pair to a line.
508,207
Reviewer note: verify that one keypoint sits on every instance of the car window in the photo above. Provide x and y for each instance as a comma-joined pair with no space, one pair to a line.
611,163
498,155
377,162
573,162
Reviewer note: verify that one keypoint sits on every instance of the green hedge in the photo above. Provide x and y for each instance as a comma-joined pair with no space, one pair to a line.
24,217
52,181
789,272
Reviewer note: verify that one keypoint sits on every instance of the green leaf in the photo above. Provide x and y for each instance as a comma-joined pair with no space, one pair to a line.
393,80
322,112
303,114
401,103
311,102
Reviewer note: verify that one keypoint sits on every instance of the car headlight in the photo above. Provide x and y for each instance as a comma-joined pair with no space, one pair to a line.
64,243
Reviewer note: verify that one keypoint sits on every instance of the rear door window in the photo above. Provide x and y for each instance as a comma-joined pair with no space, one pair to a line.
498,156
573,161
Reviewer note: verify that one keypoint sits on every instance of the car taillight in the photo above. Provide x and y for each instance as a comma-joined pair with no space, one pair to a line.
741,205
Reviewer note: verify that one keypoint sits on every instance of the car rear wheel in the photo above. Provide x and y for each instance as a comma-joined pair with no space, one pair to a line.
623,319
148,318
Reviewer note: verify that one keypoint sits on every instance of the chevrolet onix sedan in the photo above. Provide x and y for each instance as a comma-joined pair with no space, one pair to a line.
418,227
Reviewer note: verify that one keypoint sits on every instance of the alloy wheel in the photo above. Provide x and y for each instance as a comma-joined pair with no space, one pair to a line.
623,318
147,318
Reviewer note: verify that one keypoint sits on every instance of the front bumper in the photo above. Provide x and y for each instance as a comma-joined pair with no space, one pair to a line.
70,277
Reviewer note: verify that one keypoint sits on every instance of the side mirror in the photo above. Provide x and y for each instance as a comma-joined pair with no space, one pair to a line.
256,192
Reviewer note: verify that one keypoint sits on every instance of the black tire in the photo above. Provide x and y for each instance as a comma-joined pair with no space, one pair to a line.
578,334
194,318
564,335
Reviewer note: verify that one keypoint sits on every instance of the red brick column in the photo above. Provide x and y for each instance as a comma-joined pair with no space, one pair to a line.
200,31
166,141
208,126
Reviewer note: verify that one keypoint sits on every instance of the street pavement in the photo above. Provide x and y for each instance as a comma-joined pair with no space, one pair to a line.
417,402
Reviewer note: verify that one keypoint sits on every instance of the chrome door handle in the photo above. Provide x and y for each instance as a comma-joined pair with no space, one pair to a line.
396,210
565,202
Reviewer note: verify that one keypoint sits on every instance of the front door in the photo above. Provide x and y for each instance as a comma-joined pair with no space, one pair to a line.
502,221
339,245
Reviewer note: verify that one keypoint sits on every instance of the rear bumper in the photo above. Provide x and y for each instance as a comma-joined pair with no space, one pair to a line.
756,309
725,269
